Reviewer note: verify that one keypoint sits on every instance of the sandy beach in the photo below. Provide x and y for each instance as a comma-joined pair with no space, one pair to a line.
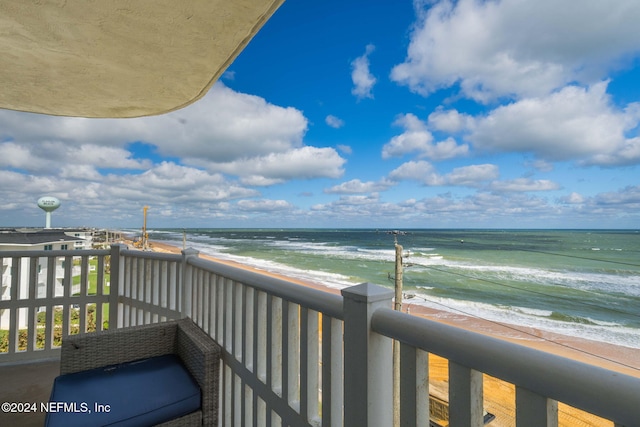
499,396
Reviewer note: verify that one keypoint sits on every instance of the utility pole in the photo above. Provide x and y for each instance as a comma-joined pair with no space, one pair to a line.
145,236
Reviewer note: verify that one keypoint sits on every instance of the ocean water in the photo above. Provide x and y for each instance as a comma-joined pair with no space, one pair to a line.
583,283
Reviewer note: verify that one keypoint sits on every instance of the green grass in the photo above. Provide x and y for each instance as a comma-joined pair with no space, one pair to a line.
93,278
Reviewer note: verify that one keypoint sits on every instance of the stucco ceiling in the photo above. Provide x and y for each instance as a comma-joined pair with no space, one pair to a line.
119,58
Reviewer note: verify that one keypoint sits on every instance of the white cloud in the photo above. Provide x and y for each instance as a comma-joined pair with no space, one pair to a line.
573,198
497,48
264,205
472,175
417,138
448,120
355,186
54,156
524,184
629,196
363,80
301,163
421,171
334,121
571,124
345,149
475,176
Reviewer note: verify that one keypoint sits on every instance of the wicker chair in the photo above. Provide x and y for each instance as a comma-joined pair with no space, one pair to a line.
198,352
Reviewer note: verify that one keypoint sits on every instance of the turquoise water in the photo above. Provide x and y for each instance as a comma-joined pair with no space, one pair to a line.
582,283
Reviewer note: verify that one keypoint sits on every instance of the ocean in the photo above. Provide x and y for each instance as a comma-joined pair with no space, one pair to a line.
582,283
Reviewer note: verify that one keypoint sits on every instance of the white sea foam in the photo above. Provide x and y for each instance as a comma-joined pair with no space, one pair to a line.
331,280
609,332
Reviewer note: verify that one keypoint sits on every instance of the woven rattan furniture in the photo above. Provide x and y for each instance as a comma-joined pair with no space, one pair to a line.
197,351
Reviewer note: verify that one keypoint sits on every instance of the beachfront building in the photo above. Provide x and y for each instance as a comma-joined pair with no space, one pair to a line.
36,240
85,236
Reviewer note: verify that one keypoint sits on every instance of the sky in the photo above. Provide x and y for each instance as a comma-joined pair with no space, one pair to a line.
382,114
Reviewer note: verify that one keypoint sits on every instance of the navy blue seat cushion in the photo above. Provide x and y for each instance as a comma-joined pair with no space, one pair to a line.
139,393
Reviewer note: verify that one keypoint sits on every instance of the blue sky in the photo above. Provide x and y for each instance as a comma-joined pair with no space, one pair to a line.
501,114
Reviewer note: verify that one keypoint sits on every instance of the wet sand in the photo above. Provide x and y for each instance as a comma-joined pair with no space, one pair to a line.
499,396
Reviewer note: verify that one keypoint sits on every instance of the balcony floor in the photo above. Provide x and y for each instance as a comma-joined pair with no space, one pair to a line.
28,382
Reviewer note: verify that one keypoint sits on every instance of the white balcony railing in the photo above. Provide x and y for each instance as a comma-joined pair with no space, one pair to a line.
296,356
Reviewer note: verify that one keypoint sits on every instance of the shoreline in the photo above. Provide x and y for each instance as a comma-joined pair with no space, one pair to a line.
499,396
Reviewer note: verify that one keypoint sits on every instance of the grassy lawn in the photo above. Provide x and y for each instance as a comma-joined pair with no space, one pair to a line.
93,277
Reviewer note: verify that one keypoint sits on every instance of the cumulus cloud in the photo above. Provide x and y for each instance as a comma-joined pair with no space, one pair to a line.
363,80
346,149
496,49
629,196
334,121
450,121
355,186
472,175
54,156
301,163
573,198
483,177
572,124
524,184
417,138
264,205
424,172
421,171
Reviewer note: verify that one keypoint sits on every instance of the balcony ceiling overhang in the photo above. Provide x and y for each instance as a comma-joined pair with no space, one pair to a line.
119,58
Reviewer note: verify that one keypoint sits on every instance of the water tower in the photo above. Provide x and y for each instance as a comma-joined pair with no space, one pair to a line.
48,204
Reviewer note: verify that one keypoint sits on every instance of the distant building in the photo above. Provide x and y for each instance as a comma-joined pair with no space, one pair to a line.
36,240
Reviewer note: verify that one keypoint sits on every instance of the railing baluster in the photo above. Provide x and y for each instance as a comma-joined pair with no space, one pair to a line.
276,346
99,291
84,282
50,286
313,367
248,405
268,340
13,311
237,398
293,357
228,318
32,315
408,385
260,337
533,410
227,414
422,388
465,396
336,374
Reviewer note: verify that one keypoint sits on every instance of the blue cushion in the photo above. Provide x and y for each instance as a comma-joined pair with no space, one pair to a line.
144,392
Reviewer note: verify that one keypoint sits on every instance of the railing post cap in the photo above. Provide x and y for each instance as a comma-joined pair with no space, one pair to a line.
190,252
367,292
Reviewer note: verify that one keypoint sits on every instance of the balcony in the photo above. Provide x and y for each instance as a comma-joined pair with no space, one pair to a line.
292,355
